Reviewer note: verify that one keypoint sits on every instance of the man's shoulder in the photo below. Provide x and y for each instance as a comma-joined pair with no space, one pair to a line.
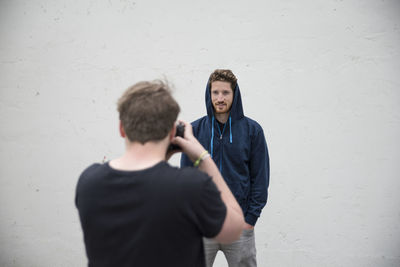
199,121
199,126
92,168
188,182
253,126
90,173
184,175
253,123
193,176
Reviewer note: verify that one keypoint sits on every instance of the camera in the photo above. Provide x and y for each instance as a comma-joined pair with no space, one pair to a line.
180,130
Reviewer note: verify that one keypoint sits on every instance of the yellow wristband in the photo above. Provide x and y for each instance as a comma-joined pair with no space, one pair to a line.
201,157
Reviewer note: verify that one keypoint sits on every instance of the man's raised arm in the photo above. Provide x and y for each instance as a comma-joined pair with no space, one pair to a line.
234,220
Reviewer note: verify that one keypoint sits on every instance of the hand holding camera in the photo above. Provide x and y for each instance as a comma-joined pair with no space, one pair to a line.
180,130
186,142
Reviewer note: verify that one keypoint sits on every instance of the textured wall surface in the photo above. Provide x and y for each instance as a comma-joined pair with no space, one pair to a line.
321,77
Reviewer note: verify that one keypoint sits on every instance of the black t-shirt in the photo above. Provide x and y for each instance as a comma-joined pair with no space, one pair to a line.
152,217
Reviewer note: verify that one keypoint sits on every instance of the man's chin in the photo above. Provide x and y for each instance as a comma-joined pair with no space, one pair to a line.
221,111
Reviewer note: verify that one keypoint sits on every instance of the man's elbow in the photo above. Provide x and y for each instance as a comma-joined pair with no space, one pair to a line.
233,236
232,228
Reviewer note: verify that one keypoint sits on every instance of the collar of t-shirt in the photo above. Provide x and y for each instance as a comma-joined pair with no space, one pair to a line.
221,126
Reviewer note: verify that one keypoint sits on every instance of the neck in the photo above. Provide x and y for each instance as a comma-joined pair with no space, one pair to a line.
222,117
141,156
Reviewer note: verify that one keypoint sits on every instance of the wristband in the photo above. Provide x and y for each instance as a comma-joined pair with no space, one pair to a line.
200,159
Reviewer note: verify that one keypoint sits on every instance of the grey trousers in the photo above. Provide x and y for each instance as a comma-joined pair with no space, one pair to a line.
241,253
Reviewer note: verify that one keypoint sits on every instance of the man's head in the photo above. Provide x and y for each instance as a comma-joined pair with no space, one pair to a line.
223,76
222,85
147,111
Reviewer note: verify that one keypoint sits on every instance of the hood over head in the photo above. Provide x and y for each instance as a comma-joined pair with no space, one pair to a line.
236,111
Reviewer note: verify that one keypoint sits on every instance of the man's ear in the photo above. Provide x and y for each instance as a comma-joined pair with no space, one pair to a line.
172,132
121,130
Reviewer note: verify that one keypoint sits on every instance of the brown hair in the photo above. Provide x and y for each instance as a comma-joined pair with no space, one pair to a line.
223,76
147,111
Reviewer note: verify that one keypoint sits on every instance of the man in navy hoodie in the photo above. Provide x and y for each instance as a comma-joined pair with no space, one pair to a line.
237,145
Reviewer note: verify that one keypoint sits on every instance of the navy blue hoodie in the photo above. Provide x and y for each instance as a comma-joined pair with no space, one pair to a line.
239,151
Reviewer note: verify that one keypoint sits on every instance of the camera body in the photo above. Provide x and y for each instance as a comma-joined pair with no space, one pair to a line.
180,130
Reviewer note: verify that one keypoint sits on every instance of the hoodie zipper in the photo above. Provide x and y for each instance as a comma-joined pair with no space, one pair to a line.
221,135
223,130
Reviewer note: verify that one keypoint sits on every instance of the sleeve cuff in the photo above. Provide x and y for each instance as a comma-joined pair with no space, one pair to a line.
251,219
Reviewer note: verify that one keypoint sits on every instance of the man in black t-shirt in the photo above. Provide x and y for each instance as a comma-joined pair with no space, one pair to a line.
137,210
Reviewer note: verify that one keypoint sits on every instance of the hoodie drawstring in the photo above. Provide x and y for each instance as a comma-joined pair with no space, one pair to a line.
212,133
212,136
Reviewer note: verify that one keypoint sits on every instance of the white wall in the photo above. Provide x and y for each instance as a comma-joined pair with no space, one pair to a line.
321,77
